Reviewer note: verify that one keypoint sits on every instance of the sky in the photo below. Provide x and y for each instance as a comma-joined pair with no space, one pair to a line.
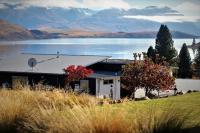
189,8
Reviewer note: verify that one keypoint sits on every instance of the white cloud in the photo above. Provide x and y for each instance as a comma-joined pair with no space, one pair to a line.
50,3
94,4
2,6
101,4
189,8
163,19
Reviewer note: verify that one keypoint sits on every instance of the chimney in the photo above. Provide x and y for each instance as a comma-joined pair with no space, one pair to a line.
139,55
135,56
194,41
58,54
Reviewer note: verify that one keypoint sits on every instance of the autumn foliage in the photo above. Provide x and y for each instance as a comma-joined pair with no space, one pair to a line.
148,75
75,73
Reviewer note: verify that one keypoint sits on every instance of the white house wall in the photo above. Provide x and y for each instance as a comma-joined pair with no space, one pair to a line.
118,87
103,90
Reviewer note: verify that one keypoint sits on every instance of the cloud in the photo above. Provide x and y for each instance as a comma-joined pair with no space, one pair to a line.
94,4
189,8
106,4
2,6
163,19
43,3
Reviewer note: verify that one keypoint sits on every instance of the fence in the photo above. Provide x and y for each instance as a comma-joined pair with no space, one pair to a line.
187,84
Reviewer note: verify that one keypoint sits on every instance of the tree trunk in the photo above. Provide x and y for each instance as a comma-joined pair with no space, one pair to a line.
146,92
133,94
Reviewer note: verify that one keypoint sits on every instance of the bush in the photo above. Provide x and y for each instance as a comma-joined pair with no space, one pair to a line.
148,75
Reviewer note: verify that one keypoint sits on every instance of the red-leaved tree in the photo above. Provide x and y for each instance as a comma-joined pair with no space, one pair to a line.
131,76
76,73
146,74
156,77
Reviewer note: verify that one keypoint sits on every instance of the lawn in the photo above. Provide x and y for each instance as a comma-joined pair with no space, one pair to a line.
59,112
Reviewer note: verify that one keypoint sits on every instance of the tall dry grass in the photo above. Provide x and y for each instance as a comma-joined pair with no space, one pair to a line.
108,119
59,112
18,106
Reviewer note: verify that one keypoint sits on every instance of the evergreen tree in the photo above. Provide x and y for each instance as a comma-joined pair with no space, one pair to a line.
164,43
184,64
197,61
151,53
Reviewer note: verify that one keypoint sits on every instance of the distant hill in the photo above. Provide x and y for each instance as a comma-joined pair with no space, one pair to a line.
152,34
96,34
10,31
13,32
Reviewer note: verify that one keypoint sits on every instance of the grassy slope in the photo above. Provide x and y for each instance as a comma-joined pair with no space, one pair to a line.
41,111
188,103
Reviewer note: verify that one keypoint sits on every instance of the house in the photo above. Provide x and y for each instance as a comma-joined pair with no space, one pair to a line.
48,68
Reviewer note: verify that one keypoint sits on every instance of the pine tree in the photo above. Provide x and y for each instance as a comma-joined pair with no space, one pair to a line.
197,61
164,43
151,53
184,63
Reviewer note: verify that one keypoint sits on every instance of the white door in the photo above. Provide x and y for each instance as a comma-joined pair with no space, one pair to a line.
108,87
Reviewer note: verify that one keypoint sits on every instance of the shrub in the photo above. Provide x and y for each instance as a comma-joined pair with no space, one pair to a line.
146,74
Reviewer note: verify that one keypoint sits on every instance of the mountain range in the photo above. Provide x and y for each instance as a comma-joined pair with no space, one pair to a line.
15,32
106,20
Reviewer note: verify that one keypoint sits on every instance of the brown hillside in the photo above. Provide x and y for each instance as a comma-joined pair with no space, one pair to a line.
10,31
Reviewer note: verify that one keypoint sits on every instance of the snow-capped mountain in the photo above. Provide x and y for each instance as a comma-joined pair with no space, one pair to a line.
107,20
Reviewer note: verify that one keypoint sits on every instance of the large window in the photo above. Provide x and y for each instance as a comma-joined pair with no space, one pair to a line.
84,84
19,80
109,81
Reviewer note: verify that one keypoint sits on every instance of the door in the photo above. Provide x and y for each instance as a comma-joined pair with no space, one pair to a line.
108,88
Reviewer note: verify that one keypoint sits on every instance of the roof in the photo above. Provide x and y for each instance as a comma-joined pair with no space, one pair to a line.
46,63
194,46
102,74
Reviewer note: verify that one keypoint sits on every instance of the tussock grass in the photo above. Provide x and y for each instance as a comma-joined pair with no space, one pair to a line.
18,106
59,112
79,120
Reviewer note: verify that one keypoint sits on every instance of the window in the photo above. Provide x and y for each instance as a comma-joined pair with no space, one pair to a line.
109,81
84,84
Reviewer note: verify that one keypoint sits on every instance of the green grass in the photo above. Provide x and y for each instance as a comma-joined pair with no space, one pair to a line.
59,112
187,106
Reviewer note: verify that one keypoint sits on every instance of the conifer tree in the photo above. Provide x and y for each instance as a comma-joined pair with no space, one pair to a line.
184,64
151,53
197,59
164,44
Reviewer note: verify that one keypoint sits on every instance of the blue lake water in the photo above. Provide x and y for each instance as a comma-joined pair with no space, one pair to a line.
122,48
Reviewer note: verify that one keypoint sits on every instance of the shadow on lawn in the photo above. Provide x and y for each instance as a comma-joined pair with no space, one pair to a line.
191,130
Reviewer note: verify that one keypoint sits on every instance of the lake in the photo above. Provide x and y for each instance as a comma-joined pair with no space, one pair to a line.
118,48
